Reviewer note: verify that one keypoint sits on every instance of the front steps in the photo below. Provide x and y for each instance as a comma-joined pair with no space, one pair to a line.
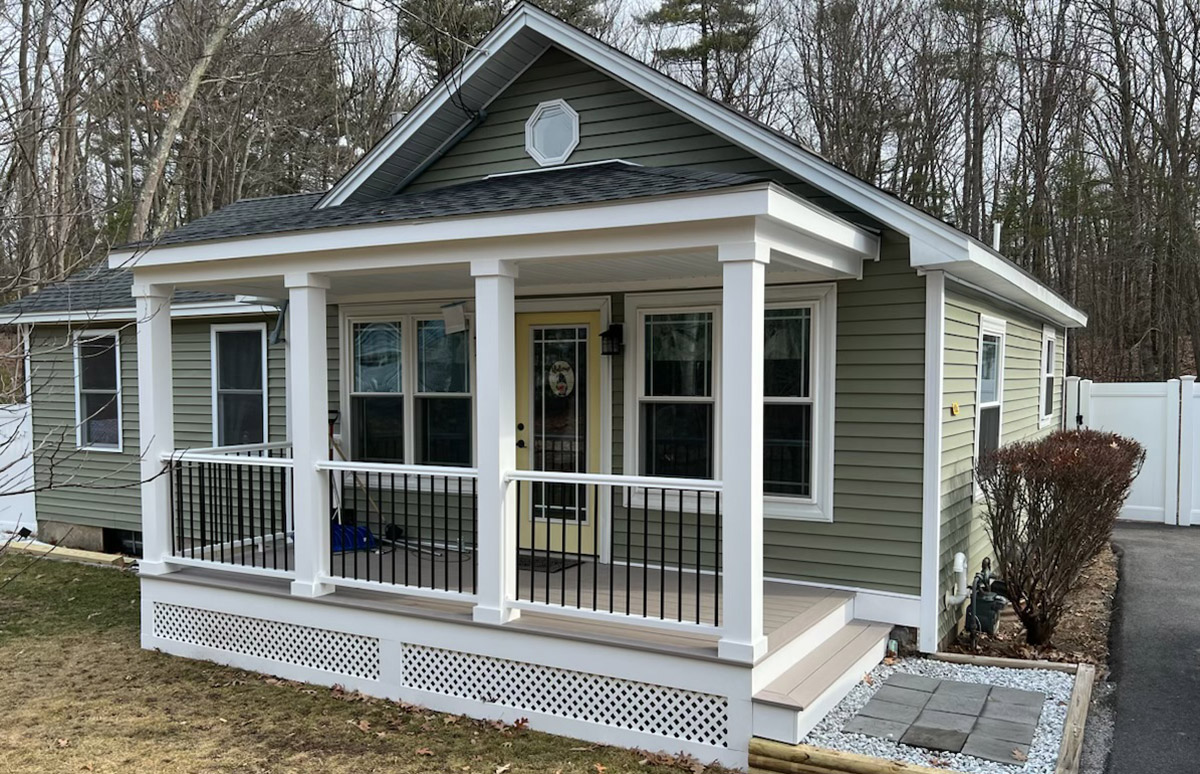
798,697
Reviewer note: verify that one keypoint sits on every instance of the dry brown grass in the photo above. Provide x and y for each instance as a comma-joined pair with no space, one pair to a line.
80,695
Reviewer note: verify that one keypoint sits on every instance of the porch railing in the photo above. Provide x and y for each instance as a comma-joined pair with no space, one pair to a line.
232,505
661,536
402,526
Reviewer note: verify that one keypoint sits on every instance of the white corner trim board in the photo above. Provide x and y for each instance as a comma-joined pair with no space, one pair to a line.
931,494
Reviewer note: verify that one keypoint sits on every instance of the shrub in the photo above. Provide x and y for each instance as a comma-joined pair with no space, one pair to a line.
1050,509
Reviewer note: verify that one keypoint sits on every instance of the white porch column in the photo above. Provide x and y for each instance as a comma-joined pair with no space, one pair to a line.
744,270
496,433
308,406
156,422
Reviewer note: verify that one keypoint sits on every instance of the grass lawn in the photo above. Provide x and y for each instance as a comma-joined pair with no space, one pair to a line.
80,695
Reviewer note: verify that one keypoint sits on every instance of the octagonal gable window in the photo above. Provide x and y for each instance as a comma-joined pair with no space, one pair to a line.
552,132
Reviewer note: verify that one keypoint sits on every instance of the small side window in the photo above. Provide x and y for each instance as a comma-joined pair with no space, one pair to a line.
1049,353
98,391
239,384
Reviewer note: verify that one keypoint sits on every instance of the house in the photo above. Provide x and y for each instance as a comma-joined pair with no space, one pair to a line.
580,398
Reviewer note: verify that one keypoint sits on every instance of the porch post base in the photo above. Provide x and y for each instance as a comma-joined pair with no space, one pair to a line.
155,568
745,652
311,590
493,615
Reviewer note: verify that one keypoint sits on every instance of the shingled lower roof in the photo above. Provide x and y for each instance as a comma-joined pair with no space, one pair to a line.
585,184
99,288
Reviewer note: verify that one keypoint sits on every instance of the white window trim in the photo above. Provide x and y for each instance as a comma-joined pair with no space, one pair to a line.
261,327
1049,334
822,298
79,416
408,317
988,326
534,153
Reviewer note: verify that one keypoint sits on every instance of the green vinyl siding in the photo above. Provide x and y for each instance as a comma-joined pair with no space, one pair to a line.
874,540
962,526
99,488
615,122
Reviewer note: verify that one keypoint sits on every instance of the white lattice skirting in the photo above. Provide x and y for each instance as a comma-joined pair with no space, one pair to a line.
690,716
610,709
329,651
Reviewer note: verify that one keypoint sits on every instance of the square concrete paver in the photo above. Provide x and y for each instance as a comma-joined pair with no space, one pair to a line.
947,721
1013,713
962,698
1005,730
989,722
985,747
902,696
913,682
934,738
876,727
888,710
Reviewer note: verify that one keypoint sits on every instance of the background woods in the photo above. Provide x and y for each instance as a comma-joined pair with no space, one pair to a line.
1071,123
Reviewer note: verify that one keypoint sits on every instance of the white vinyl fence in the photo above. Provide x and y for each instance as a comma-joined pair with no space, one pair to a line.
1165,418
16,468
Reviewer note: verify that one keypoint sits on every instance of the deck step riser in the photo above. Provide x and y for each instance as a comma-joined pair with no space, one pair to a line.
783,659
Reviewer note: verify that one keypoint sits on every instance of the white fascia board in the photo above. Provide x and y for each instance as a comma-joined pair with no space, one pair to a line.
424,110
129,314
996,275
712,206
794,212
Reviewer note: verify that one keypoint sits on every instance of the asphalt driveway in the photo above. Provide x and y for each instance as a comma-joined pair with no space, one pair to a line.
1156,651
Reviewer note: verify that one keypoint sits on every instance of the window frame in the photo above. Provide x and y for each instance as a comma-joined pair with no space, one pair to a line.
215,390
408,320
90,335
535,153
996,327
822,299
1049,371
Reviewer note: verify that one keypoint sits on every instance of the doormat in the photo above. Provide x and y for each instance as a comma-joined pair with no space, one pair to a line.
548,564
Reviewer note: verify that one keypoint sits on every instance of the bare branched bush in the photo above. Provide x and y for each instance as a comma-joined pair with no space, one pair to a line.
1050,509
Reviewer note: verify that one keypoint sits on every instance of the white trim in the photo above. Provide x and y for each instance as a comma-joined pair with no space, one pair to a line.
822,299
931,489
79,417
933,243
871,604
626,619
1049,336
261,327
534,152
130,314
240,569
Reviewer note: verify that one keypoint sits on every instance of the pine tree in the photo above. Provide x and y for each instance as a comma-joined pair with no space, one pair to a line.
720,33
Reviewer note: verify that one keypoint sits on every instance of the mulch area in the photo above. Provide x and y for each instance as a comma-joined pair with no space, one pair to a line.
1082,635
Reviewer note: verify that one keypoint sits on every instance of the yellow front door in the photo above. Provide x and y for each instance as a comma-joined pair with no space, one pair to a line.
558,427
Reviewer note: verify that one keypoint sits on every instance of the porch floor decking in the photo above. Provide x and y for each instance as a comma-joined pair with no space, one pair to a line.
788,609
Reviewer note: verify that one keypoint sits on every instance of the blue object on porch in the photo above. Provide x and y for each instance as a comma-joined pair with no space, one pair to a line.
347,537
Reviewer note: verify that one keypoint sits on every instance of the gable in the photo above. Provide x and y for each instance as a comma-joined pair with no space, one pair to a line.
615,122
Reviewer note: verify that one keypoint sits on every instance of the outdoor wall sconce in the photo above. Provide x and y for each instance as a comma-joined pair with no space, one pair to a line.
612,341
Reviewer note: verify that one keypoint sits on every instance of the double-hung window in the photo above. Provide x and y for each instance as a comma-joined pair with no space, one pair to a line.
239,384
991,386
98,390
408,372
677,405
676,397
1048,355
788,402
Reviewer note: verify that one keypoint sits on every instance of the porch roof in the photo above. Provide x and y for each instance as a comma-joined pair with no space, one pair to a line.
582,184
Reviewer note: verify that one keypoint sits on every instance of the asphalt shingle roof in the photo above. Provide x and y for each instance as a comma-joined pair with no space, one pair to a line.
103,288
589,184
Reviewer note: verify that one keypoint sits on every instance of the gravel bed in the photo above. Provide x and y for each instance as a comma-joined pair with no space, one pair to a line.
1043,754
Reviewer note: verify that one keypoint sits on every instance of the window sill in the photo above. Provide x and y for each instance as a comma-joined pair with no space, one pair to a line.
105,449
1044,422
791,510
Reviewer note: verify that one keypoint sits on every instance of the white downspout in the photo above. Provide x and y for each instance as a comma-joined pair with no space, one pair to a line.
960,574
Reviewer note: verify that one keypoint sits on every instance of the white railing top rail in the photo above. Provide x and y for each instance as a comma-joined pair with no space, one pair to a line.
201,455
612,479
396,469
240,448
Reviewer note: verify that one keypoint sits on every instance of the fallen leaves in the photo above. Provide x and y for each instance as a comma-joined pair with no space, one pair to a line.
423,751
1019,755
